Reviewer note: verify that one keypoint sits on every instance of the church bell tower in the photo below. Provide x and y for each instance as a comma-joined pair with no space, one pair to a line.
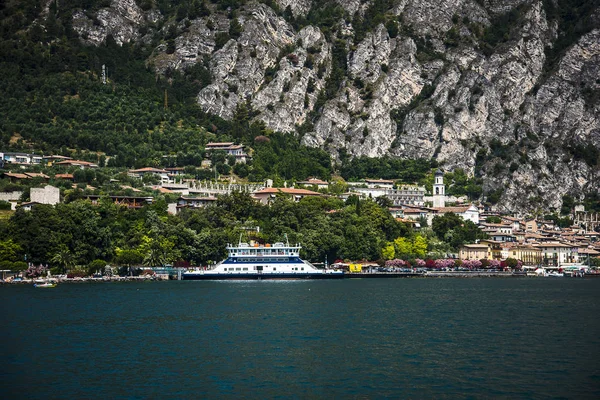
439,190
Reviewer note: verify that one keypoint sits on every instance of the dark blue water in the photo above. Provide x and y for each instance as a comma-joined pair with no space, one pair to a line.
388,338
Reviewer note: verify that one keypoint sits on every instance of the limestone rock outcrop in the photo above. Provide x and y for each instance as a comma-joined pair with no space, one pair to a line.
425,81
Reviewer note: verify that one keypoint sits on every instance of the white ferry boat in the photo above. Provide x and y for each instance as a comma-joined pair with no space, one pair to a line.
277,261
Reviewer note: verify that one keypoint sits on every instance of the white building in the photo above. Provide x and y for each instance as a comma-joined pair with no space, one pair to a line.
557,254
46,195
468,212
314,182
236,150
407,194
161,173
20,158
379,183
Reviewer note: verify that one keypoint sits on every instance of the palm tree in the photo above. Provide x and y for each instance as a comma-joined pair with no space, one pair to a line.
64,258
155,257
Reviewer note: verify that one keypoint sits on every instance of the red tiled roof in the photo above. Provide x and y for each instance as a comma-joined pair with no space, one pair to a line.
313,181
63,176
74,162
148,169
37,175
219,144
16,175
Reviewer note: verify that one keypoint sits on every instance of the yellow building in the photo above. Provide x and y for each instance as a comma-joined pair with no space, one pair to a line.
476,251
495,249
528,254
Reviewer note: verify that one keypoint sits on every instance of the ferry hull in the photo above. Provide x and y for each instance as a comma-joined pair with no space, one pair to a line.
219,277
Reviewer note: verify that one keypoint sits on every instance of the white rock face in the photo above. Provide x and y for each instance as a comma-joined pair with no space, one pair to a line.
298,7
122,20
430,91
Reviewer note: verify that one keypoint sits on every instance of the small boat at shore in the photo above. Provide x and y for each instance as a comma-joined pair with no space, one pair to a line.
44,285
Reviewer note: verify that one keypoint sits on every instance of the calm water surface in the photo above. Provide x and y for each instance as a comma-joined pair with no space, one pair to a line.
372,338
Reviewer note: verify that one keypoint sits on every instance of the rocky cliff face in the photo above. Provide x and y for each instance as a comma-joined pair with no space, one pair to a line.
425,80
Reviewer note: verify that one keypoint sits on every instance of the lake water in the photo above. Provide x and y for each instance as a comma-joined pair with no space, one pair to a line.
371,338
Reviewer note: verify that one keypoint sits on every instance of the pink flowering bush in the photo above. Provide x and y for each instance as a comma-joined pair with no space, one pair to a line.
494,264
396,263
471,264
419,263
444,263
34,272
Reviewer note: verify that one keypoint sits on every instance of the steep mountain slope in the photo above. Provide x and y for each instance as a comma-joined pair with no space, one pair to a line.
506,89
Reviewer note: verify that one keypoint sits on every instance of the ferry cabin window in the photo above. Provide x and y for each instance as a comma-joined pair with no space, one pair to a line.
245,269
302,268
274,269
238,269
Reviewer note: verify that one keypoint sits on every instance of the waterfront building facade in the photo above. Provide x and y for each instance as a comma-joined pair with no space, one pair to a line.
477,251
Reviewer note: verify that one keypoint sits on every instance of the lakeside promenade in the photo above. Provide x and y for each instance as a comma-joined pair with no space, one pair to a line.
357,275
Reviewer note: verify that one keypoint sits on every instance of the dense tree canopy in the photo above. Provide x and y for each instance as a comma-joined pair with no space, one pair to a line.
79,233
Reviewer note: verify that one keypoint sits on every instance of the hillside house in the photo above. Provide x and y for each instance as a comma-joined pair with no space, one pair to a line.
531,225
379,183
20,158
467,212
76,163
67,177
162,174
514,222
314,182
231,149
15,177
194,202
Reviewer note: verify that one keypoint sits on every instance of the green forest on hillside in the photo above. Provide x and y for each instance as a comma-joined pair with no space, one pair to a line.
54,102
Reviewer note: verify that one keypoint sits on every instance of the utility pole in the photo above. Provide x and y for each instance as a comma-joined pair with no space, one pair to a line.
103,74
166,100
